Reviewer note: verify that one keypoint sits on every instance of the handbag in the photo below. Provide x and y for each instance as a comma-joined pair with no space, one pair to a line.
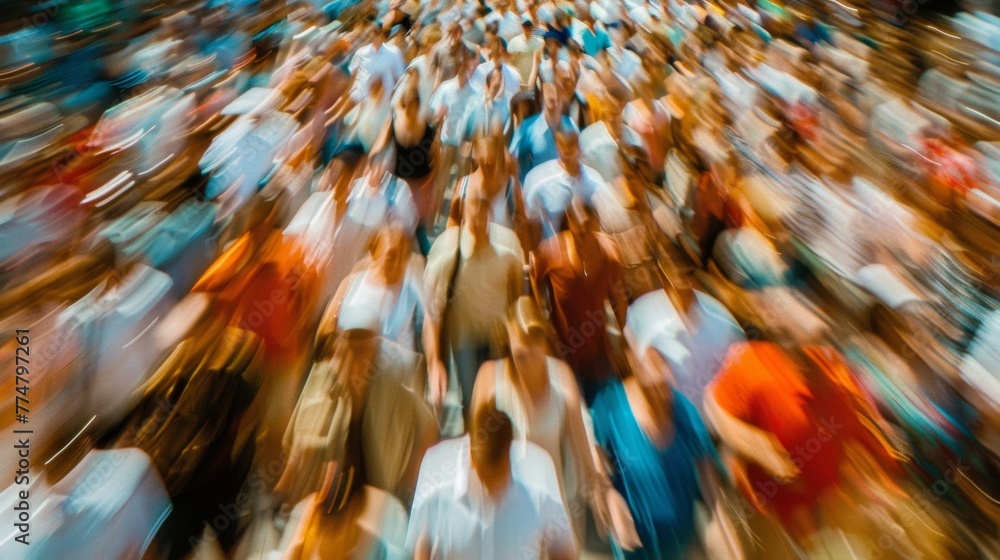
196,394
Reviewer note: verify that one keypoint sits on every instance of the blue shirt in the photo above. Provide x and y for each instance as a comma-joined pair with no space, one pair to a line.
660,486
592,41
534,143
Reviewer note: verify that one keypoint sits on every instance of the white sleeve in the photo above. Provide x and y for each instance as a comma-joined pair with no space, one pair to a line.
420,521
557,533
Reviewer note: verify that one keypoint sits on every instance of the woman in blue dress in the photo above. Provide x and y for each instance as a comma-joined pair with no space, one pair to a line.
662,458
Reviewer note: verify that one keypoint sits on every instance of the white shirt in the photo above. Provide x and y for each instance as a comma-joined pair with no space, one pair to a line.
461,521
627,64
456,101
509,24
110,492
549,190
511,79
522,53
392,200
386,62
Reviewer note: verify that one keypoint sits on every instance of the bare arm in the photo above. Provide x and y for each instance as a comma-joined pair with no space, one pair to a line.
748,441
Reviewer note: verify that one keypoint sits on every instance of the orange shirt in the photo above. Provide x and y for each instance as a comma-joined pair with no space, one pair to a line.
812,419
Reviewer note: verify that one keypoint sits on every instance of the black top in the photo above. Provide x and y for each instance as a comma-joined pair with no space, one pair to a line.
414,162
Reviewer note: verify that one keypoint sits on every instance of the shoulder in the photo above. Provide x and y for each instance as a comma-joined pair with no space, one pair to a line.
442,250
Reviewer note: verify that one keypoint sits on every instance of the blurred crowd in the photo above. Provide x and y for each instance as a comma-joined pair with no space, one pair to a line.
496,280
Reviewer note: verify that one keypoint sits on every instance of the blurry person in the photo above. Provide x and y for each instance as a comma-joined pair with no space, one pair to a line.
493,176
579,272
683,331
359,410
508,23
444,55
591,35
539,394
712,204
510,80
375,198
649,118
450,104
354,135
473,274
388,290
522,49
423,65
413,141
376,59
483,497
534,142
772,406
662,458
625,62
550,188
371,524
494,111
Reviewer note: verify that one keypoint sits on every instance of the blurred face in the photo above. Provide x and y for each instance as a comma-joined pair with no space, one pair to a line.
552,47
494,83
550,99
477,215
568,147
467,67
652,379
392,255
485,151
525,348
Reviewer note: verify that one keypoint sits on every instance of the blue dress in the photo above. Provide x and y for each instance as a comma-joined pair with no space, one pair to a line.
660,486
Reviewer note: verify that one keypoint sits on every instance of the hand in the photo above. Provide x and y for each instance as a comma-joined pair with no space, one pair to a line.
438,383
622,526
780,465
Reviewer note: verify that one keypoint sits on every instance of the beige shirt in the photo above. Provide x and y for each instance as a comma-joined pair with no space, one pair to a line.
483,286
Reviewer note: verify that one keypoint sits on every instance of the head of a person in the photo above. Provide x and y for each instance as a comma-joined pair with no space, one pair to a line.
490,436
379,33
635,168
552,103
378,165
390,253
560,19
497,49
566,78
409,95
651,374
552,45
476,213
488,145
454,33
527,26
568,147
527,332
494,83
466,61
